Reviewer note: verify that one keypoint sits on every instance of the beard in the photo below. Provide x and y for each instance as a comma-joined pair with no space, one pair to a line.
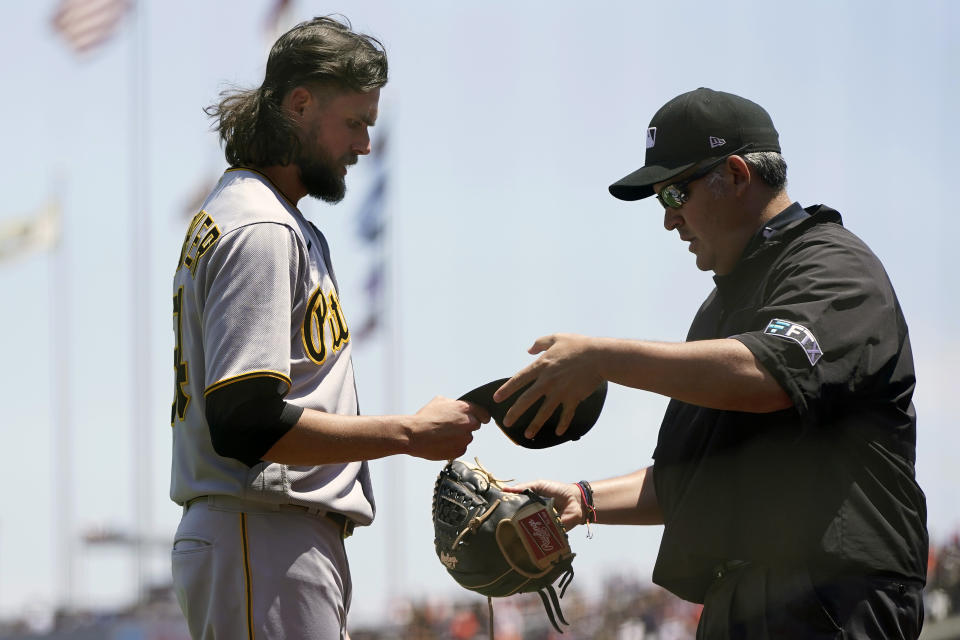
320,173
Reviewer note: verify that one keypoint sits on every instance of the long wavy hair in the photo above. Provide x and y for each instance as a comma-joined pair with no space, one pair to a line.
323,54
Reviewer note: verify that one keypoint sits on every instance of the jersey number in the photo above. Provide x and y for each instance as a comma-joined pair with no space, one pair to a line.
322,311
180,397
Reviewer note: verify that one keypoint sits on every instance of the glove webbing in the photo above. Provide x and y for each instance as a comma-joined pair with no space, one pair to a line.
475,523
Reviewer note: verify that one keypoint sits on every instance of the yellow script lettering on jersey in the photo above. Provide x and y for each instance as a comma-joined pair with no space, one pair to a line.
323,311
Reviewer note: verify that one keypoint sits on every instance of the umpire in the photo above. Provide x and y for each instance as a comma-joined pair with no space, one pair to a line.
784,467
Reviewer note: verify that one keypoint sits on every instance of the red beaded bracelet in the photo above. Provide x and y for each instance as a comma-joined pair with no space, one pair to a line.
586,494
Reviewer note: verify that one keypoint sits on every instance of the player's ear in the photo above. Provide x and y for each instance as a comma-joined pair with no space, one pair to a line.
297,100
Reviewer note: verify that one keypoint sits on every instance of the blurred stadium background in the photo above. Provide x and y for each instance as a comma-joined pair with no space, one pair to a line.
493,110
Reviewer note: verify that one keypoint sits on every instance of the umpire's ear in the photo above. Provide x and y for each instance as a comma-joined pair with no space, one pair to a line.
584,417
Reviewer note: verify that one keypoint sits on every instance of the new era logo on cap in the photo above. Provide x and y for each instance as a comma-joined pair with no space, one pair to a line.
651,137
716,142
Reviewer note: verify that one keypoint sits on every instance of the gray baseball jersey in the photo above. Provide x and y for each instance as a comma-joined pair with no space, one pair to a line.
254,295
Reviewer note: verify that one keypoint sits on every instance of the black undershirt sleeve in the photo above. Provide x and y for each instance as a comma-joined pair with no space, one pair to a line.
248,417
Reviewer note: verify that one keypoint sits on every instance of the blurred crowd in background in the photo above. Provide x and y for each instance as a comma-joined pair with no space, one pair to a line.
942,595
624,608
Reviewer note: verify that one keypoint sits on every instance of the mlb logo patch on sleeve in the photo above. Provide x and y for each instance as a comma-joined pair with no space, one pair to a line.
797,333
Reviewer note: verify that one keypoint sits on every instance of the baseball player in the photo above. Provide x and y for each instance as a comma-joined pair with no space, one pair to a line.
784,469
269,452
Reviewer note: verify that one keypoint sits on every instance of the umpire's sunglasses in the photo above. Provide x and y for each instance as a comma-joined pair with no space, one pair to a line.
674,195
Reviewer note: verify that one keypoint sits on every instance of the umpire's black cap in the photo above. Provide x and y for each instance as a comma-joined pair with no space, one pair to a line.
584,416
695,126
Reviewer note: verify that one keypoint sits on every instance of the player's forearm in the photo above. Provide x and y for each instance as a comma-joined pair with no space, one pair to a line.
628,499
720,374
323,438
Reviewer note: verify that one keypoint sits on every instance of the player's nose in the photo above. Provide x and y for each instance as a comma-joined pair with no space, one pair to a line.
361,146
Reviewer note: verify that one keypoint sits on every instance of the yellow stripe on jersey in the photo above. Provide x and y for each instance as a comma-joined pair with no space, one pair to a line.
248,589
247,376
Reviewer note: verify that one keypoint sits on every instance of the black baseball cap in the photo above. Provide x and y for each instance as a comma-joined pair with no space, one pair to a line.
584,416
698,125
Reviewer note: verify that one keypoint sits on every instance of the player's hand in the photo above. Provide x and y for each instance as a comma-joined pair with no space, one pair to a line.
566,499
442,429
565,373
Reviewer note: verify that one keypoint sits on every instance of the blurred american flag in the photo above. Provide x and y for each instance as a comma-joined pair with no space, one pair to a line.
86,24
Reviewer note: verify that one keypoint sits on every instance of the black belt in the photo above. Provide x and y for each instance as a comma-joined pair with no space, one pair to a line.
344,524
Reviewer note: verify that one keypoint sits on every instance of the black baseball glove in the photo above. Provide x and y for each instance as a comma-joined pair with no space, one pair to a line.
498,543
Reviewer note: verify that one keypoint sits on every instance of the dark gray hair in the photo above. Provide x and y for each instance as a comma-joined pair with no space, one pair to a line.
324,55
770,167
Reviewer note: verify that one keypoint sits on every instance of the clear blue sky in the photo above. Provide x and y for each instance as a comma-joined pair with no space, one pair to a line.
508,120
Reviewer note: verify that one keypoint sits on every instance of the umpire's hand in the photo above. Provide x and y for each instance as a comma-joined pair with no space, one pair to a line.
566,372
566,499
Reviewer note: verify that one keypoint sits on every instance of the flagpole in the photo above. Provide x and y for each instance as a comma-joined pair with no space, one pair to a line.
392,383
60,341
139,282
375,226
